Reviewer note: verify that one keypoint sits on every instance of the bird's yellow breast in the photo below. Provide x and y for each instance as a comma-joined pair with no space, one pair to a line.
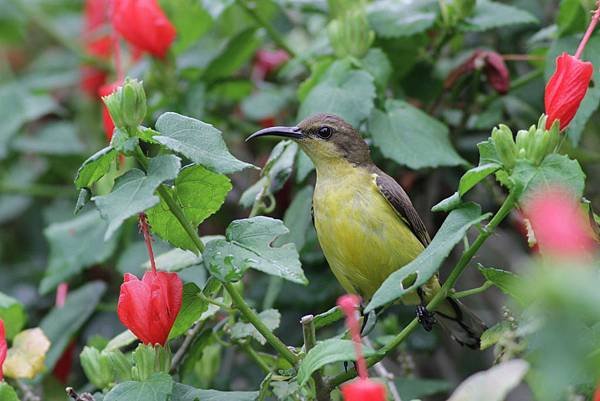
361,235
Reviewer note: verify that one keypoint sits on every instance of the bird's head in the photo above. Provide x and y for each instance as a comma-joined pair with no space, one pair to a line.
325,138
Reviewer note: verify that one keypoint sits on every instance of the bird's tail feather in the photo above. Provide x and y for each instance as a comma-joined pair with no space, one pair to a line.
462,324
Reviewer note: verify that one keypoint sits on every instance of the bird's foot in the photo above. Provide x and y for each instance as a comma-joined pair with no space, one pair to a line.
426,318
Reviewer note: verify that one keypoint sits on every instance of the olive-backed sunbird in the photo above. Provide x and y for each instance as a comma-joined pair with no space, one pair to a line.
366,224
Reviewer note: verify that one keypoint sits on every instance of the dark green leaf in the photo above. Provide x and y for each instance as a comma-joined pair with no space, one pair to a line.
192,307
181,392
508,282
75,245
13,314
269,317
428,262
317,71
325,352
133,192
475,175
200,193
555,170
493,384
488,153
410,137
7,393
59,138
191,21
492,14
248,244
275,173
200,142
571,17
394,19
95,167
238,50
157,387
412,388
21,173
61,323
342,91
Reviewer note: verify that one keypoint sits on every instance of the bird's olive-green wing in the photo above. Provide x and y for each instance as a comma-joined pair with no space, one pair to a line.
400,201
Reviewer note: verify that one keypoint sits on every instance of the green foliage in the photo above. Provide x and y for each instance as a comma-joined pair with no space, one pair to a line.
192,307
198,141
409,136
157,387
247,244
7,393
326,352
95,167
492,14
392,19
270,317
428,262
13,314
508,282
134,192
74,245
475,175
182,392
412,389
343,91
200,193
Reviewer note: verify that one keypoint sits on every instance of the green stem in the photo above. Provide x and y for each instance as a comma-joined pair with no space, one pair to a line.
460,266
310,340
40,190
40,19
473,291
256,357
273,33
253,318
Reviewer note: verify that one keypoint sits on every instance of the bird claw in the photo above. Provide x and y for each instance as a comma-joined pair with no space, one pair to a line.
426,318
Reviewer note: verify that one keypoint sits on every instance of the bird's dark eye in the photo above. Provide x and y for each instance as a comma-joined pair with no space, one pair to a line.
325,132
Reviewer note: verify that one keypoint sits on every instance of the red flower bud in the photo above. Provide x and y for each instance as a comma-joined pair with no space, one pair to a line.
3,347
492,65
109,125
144,24
268,61
363,390
559,225
597,394
149,307
97,43
566,89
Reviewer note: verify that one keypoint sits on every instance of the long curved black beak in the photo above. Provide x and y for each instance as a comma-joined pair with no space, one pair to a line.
288,132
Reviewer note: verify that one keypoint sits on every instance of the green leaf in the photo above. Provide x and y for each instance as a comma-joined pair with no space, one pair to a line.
492,335
267,102
475,175
275,173
133,192
19,174
413,388
325,352
493,384
157,387
424,266
555,170
447,205
238,50
270,317
508,282
326,318
7,393
13,314
571,17
177,259
491,14
59,138
248,244
192,307
191,22
95,167
394,19
342,91
200,142
200,193
62,323
591,101
182,392
317,71
377,63
299,218
411,137
75,245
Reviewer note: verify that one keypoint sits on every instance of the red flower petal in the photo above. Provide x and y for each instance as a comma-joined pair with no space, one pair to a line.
566,89
3,347
363,390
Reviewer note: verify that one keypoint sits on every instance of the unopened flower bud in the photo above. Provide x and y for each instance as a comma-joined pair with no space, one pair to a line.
121,365
97,367
350,35
127,105
149,359
505,145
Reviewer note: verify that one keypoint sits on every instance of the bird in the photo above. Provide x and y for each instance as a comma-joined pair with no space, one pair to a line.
366,224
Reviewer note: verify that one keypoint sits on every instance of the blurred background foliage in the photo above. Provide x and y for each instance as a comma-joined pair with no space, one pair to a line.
390,82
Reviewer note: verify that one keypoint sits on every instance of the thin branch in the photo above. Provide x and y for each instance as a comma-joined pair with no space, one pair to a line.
187,342
473,291
310,340
458,269
256,357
